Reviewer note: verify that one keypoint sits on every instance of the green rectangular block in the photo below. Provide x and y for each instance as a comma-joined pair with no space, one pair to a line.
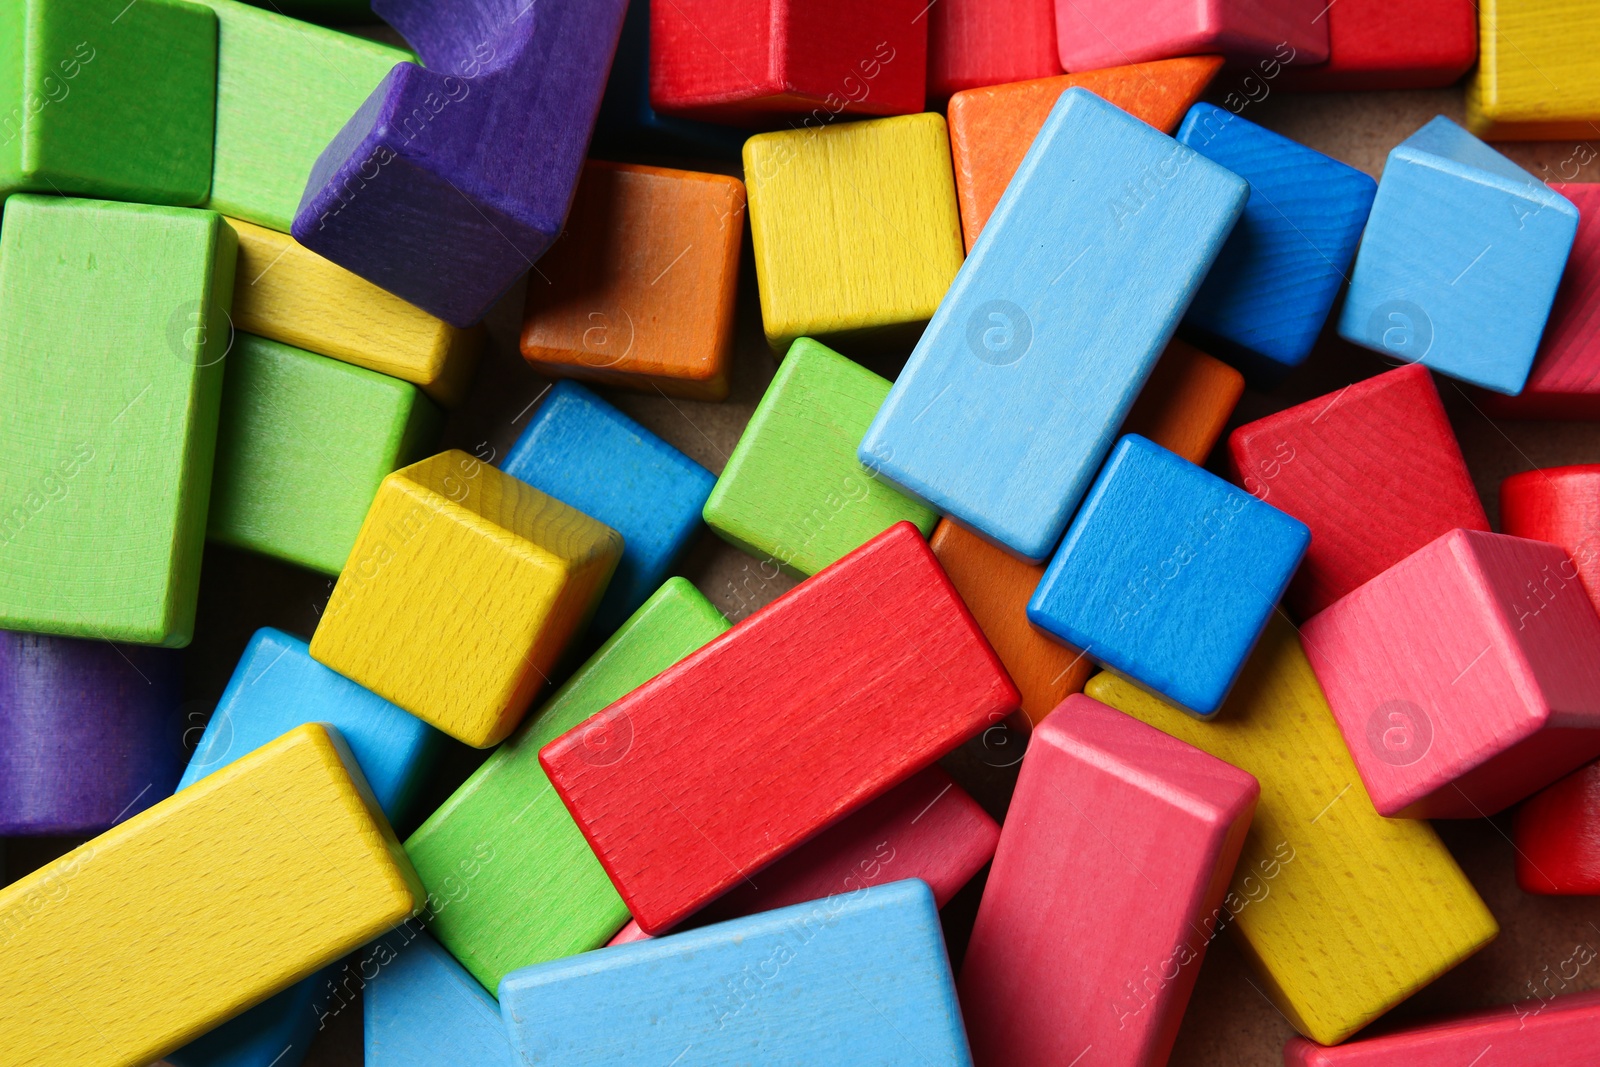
793,491
303,443
113,325
544,895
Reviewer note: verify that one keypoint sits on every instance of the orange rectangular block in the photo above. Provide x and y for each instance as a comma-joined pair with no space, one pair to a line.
1186,402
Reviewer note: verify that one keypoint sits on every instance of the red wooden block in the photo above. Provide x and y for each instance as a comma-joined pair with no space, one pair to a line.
1560,505
1091,34
973,43
831,695
1558,837
1464,677
1380,44
1106,888
1374,470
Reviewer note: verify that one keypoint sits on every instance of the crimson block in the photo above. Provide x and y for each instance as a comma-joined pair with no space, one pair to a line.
1560,505
1107,33
1379,44
973,43
1558,837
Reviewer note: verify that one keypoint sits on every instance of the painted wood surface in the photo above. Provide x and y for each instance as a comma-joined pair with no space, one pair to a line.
1373,44
1557,836
973,44
1560,505
1100,33
1186,402
424,1010
1536,78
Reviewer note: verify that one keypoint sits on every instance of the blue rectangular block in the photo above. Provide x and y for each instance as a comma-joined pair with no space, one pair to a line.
1168,575
425,1010
1016,390
859,979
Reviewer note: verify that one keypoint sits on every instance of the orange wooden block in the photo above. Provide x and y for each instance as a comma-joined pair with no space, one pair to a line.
1186,402
639,290
992,128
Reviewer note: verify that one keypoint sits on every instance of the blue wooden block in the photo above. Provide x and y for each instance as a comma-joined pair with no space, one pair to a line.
1017,387
1460,261
425,1010
1168,575
1272,287
860,979
586,453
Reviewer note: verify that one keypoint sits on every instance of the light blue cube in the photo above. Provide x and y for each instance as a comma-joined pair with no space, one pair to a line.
424,1010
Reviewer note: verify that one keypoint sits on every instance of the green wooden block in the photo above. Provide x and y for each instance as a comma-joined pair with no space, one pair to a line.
104,98
303,443
543,895
113,326
793,491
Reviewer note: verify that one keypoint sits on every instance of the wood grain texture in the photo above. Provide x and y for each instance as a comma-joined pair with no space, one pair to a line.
463,590
105,458
823,700
854,228
1373,44
973,44
1462,720
1186,402
992,421
1374,470
1536,77
639,290
1343,912
243,884
1100,33
1558,836
1560,505
424,1010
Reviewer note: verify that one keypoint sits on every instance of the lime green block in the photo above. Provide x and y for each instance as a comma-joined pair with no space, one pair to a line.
542,894
793,491
104,98
113,326
303,443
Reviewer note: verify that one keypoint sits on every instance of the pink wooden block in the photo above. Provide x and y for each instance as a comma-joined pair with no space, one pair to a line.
1092,34
1115,854
1464,677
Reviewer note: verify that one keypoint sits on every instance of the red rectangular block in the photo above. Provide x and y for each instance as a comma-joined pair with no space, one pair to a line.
1557,836
1381,44
973,43
828,697
1560,505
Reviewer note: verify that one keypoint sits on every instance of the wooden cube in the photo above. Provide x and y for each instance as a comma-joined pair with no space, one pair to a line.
1376,44
1536,80
1557,837
1560,505
1102,33
972,44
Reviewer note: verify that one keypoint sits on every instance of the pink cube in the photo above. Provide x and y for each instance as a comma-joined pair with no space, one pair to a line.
1092,34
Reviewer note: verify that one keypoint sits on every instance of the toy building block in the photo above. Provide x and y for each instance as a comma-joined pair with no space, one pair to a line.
1374,44
90,733
423,1010
454,176
1343,912
823,982
1460,260
1373,469
991,128
639,290
590,456
1272,287
545,895
302,445
854,228
972,44
289,294
463,590
1536,78
1103,236
1168,575
1100,33
1557,836
1186,402
874,662
1461,721
1100,796
105,458
793,491
1560,505
249,881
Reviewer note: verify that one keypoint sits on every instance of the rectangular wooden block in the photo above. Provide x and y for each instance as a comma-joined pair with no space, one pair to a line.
1536,78
423,1010
1186,402
1098,33
1560,505
826,698
1557,837
973,44
1375,44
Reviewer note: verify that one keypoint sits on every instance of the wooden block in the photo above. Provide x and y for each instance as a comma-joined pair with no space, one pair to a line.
1007,443
1373,44
973,44
1536,79
1344,913
1186,402
639,290
814,983
105,458
1560,505
275,1033
287,293
1461,721
854,228
1267,297
461,593
1374,470
1104,804
546,896
105,105
409,194
1558,836
1101,33
1460,260
991,128
247,882
874,662
1168,575
423,1010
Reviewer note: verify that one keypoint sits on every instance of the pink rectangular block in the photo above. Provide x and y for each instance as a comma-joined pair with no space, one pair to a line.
1092,34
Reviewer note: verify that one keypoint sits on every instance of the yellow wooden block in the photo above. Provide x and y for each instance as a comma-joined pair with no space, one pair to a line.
855,229
192,911
1538,75
288,293
462,590
1345,913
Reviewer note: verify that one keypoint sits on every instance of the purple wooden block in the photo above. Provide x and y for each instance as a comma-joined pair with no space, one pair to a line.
90,732
453,178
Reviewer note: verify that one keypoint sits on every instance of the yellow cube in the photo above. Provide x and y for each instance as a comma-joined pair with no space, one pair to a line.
1537,78
855,229
463,589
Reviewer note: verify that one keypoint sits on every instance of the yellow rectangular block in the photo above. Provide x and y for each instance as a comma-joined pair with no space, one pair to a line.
198,908
1538,76
462,591
288,293
1344,912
